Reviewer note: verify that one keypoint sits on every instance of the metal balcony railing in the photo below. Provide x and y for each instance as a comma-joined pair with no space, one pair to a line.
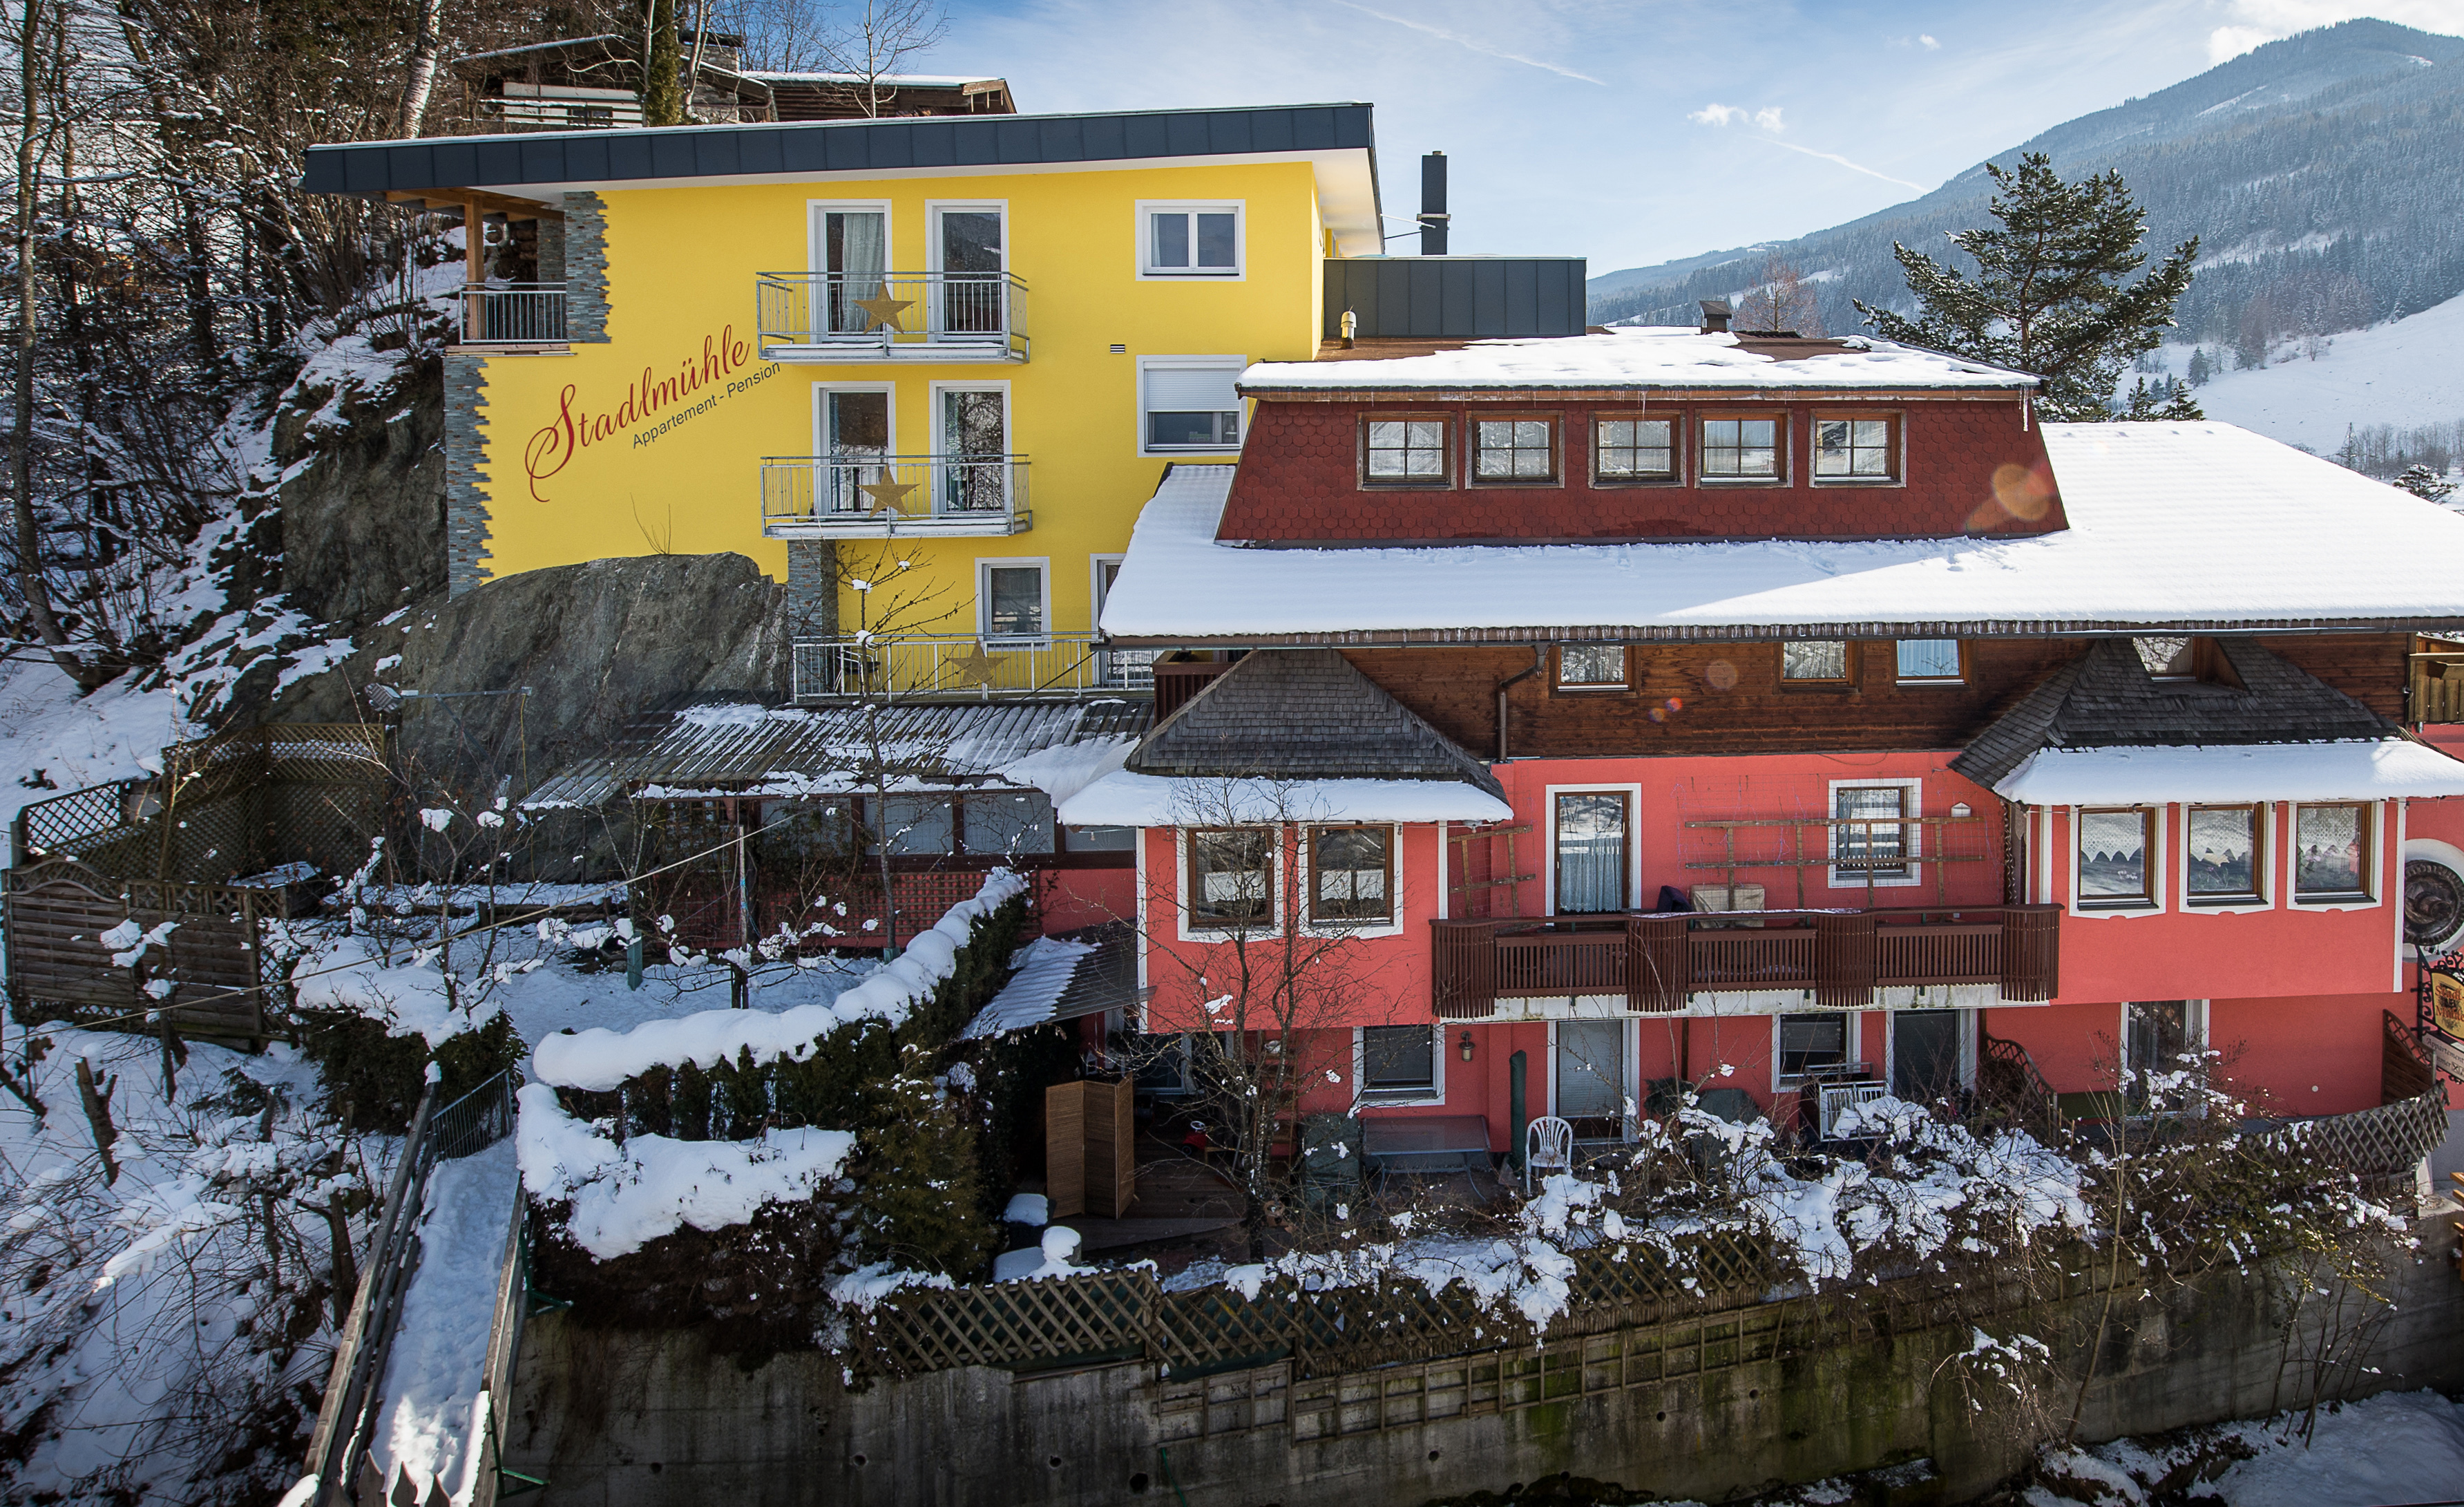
890,315
1836,960
513,314
873,497
963,667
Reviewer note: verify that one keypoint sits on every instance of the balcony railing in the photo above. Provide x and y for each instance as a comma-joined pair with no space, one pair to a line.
875,497
1827,960
513,314
892,316
2436,687
958,667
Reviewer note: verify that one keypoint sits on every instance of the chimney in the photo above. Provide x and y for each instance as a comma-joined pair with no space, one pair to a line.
1432,205
1715,316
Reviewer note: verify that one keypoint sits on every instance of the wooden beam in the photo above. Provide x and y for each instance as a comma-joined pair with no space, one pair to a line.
457,200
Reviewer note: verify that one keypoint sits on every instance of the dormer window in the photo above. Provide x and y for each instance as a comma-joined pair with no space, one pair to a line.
1517,450
1857,449
2167,657
1741,450
1405,451
1634,450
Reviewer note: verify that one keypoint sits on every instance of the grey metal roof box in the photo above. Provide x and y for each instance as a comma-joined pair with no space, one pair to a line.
1456,298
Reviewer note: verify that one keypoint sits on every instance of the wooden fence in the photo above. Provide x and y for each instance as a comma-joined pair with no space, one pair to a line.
212,960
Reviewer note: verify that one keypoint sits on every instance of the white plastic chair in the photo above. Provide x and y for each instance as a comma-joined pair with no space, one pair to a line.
1547,1143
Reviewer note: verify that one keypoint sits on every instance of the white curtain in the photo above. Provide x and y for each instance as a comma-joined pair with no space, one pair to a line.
1591,854
856,265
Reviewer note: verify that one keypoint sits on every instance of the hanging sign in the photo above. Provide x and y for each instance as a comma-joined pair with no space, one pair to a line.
2444,980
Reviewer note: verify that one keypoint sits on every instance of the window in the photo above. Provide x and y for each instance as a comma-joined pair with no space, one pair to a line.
1929,659
1811,1042
1005,822
1514,450
972,474
1855,450
916,825
1100,839
1591,667
1634,450
2167,657
1399,1059
1231,878
1404,452
1815,660
972,295
1871,849
1189,402
2225,854
1351,870
1190,240
1010,601
1591,854
2156,1034
2331,853
2113,850
1741,450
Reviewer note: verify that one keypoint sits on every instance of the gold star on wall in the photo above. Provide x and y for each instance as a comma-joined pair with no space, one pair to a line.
886,495
975,667
885,310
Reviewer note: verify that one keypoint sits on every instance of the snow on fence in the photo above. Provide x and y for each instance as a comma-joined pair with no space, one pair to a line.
200,952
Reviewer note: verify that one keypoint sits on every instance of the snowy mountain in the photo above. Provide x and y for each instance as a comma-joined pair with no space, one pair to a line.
2403,374
2318,172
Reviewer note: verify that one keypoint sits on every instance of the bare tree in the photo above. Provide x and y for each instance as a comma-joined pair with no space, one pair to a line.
875,42
1782,300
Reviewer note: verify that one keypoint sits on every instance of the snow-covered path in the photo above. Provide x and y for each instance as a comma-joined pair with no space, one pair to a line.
433,1378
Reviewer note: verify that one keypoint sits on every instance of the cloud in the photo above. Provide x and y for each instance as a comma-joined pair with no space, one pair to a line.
1473,43
2259,21
1929,43
1717,114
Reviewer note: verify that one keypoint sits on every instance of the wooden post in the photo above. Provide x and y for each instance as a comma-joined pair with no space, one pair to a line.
1064,1149
474,271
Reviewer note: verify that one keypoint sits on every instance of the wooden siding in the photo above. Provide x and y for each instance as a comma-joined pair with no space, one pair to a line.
1455,689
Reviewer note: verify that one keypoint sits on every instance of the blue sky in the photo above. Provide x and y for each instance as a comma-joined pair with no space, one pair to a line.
1633,133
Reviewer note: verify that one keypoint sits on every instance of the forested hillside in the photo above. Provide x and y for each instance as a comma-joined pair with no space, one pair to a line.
2317,174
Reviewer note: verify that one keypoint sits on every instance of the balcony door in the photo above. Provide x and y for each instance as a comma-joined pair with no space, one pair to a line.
1591,833
852,251
856,450
974,447
1928,1053
1590,1077
969,253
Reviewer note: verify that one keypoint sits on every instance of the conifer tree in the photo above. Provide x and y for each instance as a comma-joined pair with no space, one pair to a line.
2170,402
2050,295
663,62
2426,483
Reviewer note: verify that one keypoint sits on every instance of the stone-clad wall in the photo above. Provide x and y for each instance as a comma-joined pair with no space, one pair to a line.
584,255
466,498
649,1419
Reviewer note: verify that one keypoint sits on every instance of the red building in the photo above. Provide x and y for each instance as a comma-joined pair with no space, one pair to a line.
1792,716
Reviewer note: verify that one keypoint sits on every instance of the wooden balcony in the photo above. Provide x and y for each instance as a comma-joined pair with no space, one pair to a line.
1534,968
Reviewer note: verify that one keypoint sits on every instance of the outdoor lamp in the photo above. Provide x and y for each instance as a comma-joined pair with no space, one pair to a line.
1465,1046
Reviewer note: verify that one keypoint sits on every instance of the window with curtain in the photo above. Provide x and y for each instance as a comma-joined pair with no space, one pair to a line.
2331,853
2114,847
1928,660
1590,853
855,248
2225,859
1013,603
1231,878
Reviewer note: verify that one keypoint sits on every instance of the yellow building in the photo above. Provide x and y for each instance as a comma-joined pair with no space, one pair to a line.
925,371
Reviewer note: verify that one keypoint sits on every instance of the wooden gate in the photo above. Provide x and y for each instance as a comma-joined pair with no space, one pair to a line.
56,915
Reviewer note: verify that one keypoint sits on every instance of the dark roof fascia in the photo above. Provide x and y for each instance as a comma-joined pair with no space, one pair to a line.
735,150
1771,632
2010,391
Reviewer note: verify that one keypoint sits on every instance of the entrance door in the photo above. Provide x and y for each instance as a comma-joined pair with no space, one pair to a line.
854,255
1591,1077
969,243
1591,854
974,450
855,439
1925,1054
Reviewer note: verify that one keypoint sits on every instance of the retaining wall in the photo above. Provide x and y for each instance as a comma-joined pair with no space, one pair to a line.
1704,1408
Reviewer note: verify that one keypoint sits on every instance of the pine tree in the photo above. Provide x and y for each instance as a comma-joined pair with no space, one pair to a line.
2200,370
662,63
2425,483
2050,295
2167,402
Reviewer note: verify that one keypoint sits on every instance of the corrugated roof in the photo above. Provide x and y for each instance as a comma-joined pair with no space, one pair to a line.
2106,698
1063,978
726,747
1303,714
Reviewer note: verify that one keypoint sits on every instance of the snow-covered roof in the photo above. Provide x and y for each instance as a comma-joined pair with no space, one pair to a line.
2388,769
1123,799
2193,526
885,81
1646,356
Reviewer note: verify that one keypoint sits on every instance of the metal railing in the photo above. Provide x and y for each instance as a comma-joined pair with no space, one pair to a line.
1837,959
352,1403
965,667
513,314
874,495
890,315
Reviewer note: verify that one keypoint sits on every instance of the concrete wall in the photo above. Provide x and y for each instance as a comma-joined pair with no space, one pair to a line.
650,1419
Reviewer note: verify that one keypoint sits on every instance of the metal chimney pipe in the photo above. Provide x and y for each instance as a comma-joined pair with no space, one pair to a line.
1433,215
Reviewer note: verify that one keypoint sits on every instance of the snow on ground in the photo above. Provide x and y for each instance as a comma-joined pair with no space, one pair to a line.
2404,373
2397,1446
49,733
433,1378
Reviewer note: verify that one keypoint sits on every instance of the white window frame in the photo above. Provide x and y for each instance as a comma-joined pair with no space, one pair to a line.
2194,1026
1967,1043
1913,841
2376,877
1215,933
935,208
2160,866
2268,855
985,564
1629,1042
1185,363
817,239
1148,272
1783,1082
1393,925
933,391
1632,795
1959,651
1364,1098
822,391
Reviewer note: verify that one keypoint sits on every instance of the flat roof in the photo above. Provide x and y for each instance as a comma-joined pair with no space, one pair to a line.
1639,359
2173,527
543,164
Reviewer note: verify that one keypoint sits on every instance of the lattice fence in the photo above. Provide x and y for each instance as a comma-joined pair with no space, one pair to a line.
2379,1143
